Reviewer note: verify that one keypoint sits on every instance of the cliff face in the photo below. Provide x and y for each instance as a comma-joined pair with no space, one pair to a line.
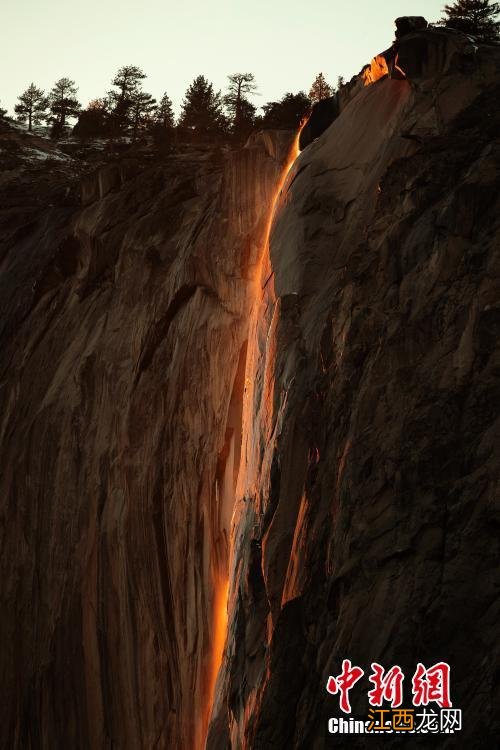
367,509
123,354
338,394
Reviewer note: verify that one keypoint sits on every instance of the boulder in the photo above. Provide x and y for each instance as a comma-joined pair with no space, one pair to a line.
409,24
434,52
323,114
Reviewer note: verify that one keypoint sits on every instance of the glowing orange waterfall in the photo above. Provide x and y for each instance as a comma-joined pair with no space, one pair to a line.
292,155
221,576
219,632
263,301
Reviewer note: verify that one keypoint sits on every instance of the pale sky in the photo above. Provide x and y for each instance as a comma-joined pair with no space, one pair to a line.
283,42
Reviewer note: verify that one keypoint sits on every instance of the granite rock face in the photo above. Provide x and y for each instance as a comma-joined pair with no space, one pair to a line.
366,524
314,417
418,54
124,306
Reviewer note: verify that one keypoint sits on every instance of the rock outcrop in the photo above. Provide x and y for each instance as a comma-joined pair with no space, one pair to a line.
419,53
311,421
409,24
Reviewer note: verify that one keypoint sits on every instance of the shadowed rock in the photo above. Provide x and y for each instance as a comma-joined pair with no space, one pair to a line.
322,115
409,24
371,461
124,308
418,53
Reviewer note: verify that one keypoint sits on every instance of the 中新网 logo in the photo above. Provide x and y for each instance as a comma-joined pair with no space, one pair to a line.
432,710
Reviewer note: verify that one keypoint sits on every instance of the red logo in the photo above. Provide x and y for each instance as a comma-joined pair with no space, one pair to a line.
343,684
432,685
428,685
388,687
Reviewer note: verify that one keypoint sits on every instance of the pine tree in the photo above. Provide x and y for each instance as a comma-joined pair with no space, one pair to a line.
320,89
93,121
202,114
163,125
476,17
142,109
3,113
164,115
32,106
287,113
63,102
246,120
241,110
128,82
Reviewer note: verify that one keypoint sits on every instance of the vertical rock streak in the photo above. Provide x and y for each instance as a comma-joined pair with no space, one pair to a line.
262,289
264,298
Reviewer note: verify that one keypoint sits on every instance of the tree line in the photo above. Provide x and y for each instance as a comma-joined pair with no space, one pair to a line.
128,110
475,17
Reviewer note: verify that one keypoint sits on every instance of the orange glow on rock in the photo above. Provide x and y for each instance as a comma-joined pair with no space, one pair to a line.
292,155
260,413
220,629
376,70
220,578
219,632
